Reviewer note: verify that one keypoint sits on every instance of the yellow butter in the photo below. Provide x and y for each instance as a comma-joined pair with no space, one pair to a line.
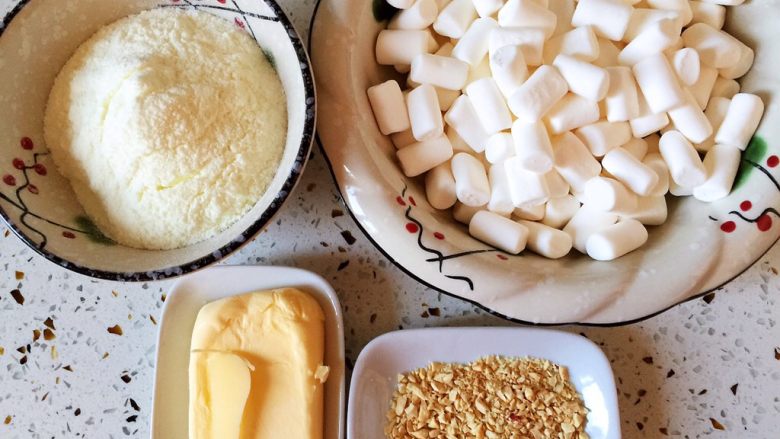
256,368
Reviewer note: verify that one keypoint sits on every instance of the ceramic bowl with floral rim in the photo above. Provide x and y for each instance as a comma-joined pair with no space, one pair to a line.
36,39
701,247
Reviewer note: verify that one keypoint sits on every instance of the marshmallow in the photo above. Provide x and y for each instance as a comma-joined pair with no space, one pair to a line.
743,65
401,4
716,112
440,187
609,18
647,122
725,88
580,42
622,101
387,102
440,71
403,139
584,79
609,195
608,54
527,13
563,10
702,89
556,185
457,142
446,97
681,7
473,46
574,161
493,112
530,213
445,50
655,162
499,147
637,147
683,161
463,214
419,16
679,191
726,2
530,39
585,223
687,65
741,121
402,68
500,196
630,171
486,8
716,48
507,64
479,71
500,232
601,137
424,112
690,120
642,18
559,211
471,181
455,18
533,150
722,163
538,94
571,112
655,38
527,188
421,157
650,211
400,46
462,117
546,241
616,240
658,83
708,13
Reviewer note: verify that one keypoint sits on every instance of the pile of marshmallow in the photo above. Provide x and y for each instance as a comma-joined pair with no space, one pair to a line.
555,124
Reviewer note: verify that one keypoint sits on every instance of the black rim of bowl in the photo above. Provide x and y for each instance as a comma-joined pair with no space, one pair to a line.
249,233
427,284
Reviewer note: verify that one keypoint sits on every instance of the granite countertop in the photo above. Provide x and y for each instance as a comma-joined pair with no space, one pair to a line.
77,355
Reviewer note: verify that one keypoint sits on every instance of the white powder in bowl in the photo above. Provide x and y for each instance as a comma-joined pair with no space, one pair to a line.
169,125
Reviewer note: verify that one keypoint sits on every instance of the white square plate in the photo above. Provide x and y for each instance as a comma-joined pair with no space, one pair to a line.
375,375
189,294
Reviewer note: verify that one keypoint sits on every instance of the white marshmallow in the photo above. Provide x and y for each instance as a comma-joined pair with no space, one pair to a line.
419,16
527,13
679,191
479,71
659,84
716,112
690,120
471,181
725,88
509,69
462,117
472,47
533,150
716,48
400,46
387,102
616,240
440,187
655,162
726,2
677,45
681,7
642,18
574,161
527,188
655,38
547,241
743,65
559,211
683,161
463,214
585,223
687,65
580,42
500,196
630,171
457,142
608,54
637,148
500,232
486,8
647,122
493,112
703,87
424,112
556,184
421,157
571,112
584,79
401,4
440,71
741,121
538,94
601,137
499,147
609,195
446,97
609,18
530,39
708,13
404,138
529,213
455,18
563,10
650,211
722,163
622,101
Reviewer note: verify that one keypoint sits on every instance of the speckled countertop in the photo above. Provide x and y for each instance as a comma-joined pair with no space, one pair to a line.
77,355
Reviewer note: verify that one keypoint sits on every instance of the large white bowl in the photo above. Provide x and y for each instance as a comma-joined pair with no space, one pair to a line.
701,247
37,37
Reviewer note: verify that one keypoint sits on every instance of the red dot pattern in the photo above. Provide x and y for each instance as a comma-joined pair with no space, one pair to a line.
27,143
773,161
746,205
411,200
728,226
68,235
33,189
400,200
9,179
764,222
18,163
412,227
40,169
438,235
502,257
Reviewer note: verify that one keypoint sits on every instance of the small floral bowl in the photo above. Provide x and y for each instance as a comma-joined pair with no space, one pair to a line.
701,247
36,39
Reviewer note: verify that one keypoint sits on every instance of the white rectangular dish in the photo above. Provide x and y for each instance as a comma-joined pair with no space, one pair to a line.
375,375
188,295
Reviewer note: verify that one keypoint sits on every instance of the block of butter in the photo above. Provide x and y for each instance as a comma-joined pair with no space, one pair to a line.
256,368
